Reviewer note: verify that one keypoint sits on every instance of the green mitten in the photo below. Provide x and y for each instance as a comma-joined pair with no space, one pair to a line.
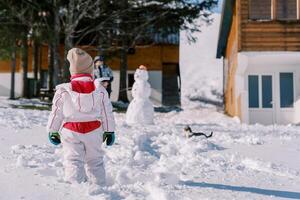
109,138
54,138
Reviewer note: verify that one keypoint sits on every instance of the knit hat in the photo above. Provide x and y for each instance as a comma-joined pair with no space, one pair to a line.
80,62
99,58
143,67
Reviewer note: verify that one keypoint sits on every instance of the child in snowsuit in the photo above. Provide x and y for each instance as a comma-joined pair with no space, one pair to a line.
82,119
103,71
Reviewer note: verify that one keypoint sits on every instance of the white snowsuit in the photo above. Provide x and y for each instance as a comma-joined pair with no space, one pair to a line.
82,146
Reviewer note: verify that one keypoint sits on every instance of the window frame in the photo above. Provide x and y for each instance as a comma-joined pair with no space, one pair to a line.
273,16
294,90
252,19
260,91
257,92
263,93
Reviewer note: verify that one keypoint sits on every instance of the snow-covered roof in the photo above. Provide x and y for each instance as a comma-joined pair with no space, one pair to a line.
166,39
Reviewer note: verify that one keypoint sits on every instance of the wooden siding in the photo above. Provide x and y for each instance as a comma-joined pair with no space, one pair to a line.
231,64
152,56
272,35
5,65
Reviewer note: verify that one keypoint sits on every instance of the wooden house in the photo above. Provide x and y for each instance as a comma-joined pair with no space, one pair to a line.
161,59
259,41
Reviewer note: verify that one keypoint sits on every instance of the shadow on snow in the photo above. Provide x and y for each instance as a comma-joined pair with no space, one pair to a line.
268,192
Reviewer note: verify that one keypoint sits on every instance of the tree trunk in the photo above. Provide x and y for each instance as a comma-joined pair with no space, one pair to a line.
56,56
56,65
123,57
50,67
13,72
123,75
24,60
68,46
40,72
35,60
69,29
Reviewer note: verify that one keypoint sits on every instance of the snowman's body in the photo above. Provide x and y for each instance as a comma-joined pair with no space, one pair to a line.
140,109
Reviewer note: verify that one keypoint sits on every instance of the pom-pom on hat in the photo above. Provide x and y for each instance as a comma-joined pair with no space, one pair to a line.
80,62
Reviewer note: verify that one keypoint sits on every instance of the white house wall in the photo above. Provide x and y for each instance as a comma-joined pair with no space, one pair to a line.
155,80
268,63
5,79
240,89
115,86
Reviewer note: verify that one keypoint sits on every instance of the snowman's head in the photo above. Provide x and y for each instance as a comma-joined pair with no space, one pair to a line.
141,74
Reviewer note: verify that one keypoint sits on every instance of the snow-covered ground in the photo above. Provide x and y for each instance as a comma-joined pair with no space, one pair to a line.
156,161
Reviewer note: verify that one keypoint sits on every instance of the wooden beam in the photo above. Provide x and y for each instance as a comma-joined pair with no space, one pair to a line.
274,10
239,24
298,9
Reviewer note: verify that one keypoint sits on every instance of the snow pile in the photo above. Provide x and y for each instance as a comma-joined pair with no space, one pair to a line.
45,159
270,168
5,103
22,118
207,83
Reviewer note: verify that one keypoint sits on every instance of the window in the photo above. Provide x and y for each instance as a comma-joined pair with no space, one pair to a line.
286,90
260,9
286,9
274,9
253,91
267,91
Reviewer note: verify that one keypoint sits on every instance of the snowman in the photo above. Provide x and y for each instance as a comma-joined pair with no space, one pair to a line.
140,109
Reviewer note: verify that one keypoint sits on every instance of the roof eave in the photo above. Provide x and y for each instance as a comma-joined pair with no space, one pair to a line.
225,26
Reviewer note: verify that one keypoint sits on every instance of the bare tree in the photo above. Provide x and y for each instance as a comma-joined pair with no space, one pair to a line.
74,12
127,23
111,24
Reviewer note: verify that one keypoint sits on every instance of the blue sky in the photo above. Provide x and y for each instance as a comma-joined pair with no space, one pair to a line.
218,9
